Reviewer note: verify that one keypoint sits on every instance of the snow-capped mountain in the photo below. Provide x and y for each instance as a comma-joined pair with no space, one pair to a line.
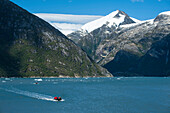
112,21
94,32
118,35
115,19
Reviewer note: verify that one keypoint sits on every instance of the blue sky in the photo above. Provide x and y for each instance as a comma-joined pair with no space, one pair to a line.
140,9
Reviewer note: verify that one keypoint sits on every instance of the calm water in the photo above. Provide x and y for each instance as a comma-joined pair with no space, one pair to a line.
85,95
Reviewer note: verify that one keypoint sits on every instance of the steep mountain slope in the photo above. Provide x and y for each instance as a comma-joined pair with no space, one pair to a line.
119,47
156,61
30,46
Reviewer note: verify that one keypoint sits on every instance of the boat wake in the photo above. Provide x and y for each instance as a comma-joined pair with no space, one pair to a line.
31,94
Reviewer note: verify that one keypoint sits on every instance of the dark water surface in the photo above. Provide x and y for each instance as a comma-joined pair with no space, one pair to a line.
85,95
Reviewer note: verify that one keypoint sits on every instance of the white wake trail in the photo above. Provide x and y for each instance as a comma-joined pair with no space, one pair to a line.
31,94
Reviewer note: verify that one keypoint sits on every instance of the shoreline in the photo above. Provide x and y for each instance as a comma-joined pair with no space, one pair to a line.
39,77
62,77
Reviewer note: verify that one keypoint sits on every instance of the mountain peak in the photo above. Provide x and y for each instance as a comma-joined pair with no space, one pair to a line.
116,14
163,16
116,18
121,12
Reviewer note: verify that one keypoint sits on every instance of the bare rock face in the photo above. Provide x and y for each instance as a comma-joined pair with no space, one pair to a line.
137,37
156,61
29,46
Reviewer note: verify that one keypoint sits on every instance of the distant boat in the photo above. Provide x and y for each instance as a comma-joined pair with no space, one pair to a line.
36,83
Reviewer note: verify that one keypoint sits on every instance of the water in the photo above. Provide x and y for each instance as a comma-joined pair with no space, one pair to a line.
85,95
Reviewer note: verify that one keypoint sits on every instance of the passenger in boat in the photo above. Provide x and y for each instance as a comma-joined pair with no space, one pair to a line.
55,98
59,99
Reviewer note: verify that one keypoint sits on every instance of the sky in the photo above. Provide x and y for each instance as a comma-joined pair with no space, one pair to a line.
70,15
140,9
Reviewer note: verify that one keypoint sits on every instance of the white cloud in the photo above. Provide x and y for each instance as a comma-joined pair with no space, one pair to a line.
159,0
67,18
137,0
66,28
67,23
